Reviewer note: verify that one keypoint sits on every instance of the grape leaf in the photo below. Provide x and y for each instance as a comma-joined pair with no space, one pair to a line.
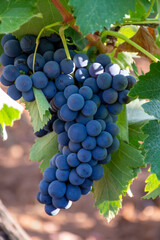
136,134
77,38
92,16
14,13
44,149
151,145
38,110
9,112
148,86
152,187
152,108
49,14
118,174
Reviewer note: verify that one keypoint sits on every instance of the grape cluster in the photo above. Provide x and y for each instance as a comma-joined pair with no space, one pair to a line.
17,60
86,107
86,99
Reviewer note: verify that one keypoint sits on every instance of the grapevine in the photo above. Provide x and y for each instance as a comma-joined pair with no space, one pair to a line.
78,89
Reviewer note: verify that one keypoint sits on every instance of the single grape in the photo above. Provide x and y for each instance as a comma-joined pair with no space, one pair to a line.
108,119
12,48
103,59
81,74
96,69
74,178
91,82
84,155
93,162
69,90
67,66
38,197
43,186
6,60
52,162
4,81
49,174
23,83
102,112
41,133
39,61
75,102
63,138
119,82
72,160
21,63
131,82
123,97
97,172
57,189
84,170
115,108
13,92
48,56
59,100
77,132
66,151
51,69
62,175
86,92
58,126
85,191
74,147
50,90
51,210
54,38
107,159
87,183
89,109
6,38
28,96
113,69
59,55
73,193
63,81
44,46
104,81
110,96
28,43
99,153
114,147
81,60
93,128
61,162
67,125
67,114
39,80
10,73
60,202
89,143
104,140
45,199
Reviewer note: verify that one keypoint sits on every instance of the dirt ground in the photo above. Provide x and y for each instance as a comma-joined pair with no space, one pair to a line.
19,179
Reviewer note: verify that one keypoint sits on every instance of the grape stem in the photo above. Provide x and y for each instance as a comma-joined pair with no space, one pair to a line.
119,35
61,33
48,27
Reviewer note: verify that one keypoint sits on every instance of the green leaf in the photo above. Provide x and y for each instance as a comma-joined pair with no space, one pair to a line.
77,38
148,85
123,125
49,14
14,13
125,59
141,8
152,187
151,145
44,149
136,134
118,174
9,112
152,108
92,16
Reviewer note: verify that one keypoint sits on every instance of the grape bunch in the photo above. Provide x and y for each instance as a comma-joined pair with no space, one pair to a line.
85,100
